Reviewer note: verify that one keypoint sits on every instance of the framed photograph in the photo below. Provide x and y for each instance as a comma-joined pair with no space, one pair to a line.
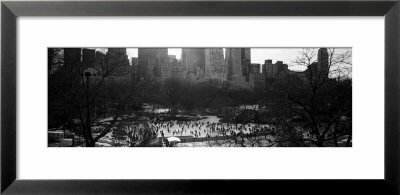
133,97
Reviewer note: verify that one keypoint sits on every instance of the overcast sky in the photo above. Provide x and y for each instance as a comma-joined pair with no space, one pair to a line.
258,55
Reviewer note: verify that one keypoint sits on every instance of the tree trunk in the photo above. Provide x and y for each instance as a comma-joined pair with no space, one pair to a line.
320,142
335,133
90,144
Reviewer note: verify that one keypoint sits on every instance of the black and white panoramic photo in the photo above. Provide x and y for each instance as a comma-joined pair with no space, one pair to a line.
199,97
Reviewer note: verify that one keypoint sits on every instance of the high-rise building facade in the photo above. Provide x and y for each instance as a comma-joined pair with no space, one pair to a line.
233,58
178,70
312,73
215,64
254,68
319,70
100,61
246,60
151,61
172,58
117,57
256,80
267,69
279,68
135,64
88,58
118,65
323,58
194,59
246,53
72,57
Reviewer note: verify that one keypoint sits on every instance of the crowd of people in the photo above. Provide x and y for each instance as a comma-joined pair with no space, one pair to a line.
195,128
202,128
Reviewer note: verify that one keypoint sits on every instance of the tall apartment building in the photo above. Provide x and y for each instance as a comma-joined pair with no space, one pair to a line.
178,70
119,66
72,57
317,71
311,72
117,57
267,69
233,58
323,58
135,64
246,60
100,61
151,61
88,58
256,80
254,68
194,59
215,64
238,60
277,67
172,58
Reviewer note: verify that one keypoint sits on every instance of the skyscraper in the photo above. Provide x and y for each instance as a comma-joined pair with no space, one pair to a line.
88,58
268,69
72,57
194,59
312,73
118,66
150,62
245,52
254,68
215,65
323,58
134,64
116,57
246,60
100,61
279,67
233,58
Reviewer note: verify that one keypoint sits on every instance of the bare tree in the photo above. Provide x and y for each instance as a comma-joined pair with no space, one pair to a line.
85,88
312,104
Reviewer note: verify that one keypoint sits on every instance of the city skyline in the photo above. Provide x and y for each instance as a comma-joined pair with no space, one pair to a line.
211,97
243,68
258,55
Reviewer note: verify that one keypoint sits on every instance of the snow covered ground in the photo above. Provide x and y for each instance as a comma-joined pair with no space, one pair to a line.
205,125
199,126
189,125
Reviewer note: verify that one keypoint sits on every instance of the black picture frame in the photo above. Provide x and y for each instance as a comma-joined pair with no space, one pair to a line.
10,10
